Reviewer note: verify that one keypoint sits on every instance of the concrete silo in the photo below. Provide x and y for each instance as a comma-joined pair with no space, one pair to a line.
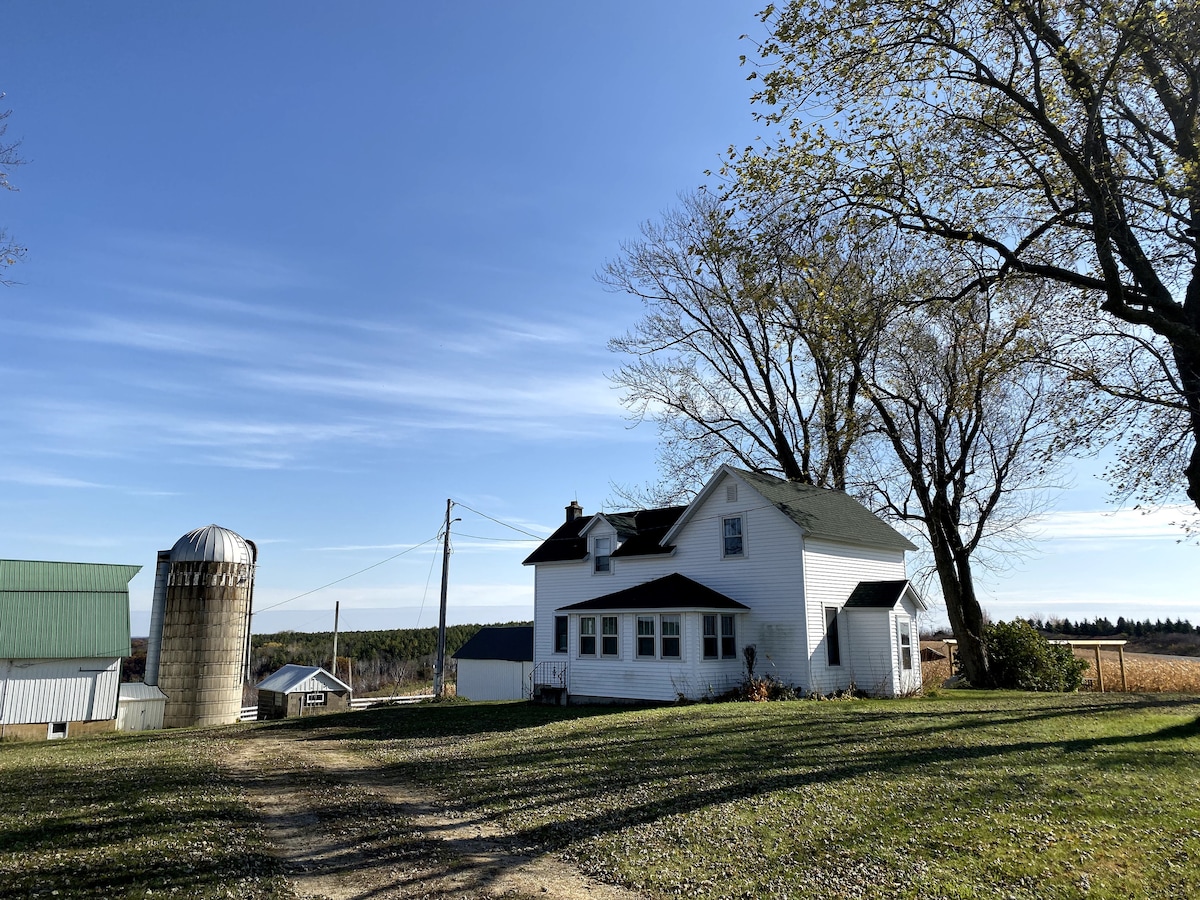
198,651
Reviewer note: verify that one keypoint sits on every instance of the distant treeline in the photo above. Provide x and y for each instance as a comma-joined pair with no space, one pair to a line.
1103,627
379,658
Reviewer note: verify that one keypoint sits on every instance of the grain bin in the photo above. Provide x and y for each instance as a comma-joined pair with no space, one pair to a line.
197,653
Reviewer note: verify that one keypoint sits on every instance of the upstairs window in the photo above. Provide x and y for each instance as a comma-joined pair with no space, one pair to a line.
608,636
833,646
645,636
587,636
733,543
560,634
601,555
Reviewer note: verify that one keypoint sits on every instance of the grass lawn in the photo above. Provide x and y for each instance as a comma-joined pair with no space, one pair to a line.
959,795
150,815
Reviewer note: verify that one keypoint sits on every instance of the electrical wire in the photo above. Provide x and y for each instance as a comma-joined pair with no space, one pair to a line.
539,537
345,577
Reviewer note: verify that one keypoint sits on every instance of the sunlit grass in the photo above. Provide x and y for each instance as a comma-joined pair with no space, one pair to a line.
962,794
967,795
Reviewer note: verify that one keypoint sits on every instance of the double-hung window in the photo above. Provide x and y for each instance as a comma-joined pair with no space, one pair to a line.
670,637
587,636
719,637
733,541
645,637
601,555
608,636
905,645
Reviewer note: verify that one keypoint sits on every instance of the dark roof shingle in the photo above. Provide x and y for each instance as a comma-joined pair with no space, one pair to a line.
826,513
512,642
876,594
672,591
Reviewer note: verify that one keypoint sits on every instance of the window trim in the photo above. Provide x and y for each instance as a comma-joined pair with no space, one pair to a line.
652,637
904,642
728,641
705,620
606,557
314,698
614,636
677,637
740,518
588,634
724,644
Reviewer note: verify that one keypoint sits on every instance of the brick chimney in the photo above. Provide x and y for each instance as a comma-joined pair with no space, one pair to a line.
574,511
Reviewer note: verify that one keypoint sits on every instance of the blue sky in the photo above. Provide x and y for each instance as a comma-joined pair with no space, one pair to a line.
307,270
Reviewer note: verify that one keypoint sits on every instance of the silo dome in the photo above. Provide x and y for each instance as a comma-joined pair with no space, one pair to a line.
212,543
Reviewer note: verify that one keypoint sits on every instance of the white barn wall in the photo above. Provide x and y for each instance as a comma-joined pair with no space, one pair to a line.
493,679
58,690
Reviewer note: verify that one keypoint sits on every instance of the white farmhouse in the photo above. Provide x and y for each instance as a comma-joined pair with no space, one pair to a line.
658,604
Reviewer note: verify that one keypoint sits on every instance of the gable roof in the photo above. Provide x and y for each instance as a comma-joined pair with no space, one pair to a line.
672,591
64,610
881,595
819,512
639,531
513,643
291,678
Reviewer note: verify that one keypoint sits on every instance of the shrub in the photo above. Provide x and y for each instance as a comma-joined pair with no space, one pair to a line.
1020,658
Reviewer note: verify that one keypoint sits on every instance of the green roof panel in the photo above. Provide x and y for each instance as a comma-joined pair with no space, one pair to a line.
54,610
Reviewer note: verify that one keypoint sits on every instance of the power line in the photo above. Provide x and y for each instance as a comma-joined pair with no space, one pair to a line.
345,577
539,537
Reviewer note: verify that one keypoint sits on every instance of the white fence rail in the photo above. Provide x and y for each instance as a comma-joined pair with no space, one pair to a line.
250,713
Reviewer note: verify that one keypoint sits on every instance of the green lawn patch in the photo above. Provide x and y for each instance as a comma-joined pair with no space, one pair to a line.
129,816
965,795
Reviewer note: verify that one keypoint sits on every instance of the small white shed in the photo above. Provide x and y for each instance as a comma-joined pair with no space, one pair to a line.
496,664
140,707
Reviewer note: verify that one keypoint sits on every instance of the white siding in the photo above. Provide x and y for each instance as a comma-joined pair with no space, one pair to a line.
58,690
140,714
875,666
493,679
831,572
628,676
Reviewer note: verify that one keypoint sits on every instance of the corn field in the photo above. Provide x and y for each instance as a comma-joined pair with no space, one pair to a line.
1144,673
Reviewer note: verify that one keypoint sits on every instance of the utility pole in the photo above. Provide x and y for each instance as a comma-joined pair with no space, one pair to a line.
439,669
337,608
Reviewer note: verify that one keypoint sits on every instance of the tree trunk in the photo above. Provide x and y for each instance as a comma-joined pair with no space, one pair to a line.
962,606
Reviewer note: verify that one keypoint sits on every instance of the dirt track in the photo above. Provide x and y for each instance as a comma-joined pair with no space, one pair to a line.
345,830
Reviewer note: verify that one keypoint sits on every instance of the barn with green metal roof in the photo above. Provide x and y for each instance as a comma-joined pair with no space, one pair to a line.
64,627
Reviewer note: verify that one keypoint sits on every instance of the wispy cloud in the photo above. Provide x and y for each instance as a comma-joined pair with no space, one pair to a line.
1115,524
41,478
